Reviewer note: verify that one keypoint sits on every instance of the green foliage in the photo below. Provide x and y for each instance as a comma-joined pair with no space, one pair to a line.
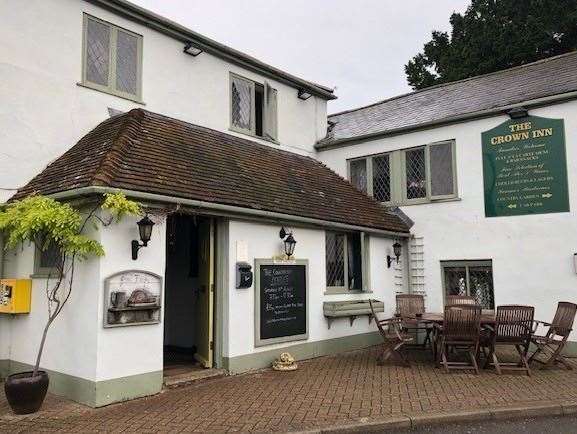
119,206
42,220
493,35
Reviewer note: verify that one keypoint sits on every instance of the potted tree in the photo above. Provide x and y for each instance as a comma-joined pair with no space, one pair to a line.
57,227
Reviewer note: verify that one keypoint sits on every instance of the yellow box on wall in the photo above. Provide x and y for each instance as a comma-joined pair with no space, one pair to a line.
15,295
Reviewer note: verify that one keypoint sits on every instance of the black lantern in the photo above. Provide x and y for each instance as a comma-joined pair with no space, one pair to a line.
289,245
145,229
397,251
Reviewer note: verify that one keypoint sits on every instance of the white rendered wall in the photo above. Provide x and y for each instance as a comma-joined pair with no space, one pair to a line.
44,112
132,350
262,241
532,255
71,342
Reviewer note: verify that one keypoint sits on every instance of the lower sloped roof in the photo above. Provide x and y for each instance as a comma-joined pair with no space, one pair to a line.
148,152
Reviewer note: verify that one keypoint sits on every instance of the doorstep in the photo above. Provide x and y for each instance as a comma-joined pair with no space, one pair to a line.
192,377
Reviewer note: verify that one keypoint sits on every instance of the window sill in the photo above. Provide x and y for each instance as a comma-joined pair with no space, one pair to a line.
254,136
421,202
345,291
44,276
107,92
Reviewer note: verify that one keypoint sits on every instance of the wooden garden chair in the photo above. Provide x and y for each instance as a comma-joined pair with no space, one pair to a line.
513,327
460,299
550,346
393,339
461,328
409,308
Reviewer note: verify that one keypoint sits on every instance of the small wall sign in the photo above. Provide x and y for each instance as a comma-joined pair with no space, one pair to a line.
132,298
525,167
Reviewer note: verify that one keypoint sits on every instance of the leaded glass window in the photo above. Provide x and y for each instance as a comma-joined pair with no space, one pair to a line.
382,178
416,173
359,174
253,107
470,278
242,103
441,162
112,59
335,259
345,260
97,52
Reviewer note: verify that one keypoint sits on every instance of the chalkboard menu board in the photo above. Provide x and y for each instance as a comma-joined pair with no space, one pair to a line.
525,168
281,309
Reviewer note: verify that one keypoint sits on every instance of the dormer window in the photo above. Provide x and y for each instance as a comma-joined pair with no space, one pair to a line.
253,108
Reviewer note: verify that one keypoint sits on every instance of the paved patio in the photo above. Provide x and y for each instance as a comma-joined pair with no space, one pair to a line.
327,391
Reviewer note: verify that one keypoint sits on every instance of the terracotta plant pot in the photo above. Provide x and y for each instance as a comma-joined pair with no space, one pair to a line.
26,393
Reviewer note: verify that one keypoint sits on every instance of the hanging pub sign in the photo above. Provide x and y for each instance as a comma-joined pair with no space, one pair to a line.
281,301
525,167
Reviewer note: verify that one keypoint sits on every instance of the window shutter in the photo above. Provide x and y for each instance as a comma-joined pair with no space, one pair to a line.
270,117
97,56
442,173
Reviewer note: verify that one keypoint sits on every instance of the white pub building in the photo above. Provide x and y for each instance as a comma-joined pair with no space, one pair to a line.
474,179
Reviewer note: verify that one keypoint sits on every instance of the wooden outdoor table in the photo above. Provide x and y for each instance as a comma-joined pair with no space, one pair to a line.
438,318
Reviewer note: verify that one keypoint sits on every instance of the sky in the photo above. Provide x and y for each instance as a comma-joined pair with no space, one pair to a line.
359,47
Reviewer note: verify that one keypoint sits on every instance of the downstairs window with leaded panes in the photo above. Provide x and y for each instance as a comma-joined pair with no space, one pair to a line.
470,278
345,261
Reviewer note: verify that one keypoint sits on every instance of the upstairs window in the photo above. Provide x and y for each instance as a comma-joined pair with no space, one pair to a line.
408,176
112,59
253,108
345,261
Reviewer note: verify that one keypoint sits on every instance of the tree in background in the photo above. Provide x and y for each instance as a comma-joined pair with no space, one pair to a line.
493,35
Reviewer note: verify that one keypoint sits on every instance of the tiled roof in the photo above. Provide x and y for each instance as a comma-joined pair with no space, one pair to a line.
147,152
441,103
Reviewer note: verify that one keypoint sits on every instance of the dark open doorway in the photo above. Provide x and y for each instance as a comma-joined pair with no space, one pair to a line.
189,294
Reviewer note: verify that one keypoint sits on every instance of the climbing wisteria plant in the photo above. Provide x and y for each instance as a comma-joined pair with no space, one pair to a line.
53,226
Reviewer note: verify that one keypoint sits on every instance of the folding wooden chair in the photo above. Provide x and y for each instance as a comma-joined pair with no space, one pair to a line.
461,328
551,345
393,339
409,307
513,327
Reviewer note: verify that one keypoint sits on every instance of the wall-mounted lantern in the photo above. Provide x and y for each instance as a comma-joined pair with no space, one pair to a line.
192,50
289,242
397,251
304,95
145,229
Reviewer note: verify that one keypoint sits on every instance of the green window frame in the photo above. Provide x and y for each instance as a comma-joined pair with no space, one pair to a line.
470,278
421,174
258,101
110,50
340,249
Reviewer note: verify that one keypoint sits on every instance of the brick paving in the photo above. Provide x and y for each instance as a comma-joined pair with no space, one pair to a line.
324,392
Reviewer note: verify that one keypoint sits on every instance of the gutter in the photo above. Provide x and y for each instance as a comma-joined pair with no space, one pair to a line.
539,102
225,210
181,33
